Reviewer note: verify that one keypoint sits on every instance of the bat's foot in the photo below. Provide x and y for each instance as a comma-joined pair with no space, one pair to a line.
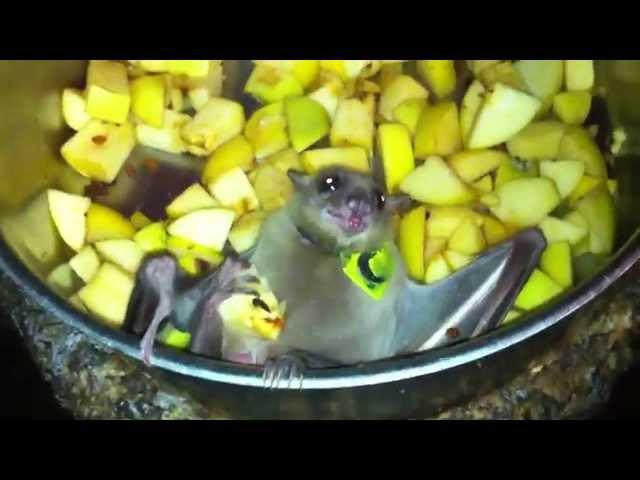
285,370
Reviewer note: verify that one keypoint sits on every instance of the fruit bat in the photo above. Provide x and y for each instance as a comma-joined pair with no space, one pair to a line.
330,255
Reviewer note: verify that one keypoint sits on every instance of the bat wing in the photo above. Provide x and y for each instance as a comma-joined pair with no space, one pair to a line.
473,300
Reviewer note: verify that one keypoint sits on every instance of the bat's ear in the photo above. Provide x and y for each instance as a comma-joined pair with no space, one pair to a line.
300,180
398,203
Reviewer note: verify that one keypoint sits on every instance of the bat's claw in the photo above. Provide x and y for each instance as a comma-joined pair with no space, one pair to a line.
287,369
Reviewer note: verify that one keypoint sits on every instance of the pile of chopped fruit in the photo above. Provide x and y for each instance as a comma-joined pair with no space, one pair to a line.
485,148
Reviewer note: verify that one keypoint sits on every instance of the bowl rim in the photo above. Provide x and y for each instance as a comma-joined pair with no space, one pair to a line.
373,373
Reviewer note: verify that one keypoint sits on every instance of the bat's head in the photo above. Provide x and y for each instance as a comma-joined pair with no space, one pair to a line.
341,208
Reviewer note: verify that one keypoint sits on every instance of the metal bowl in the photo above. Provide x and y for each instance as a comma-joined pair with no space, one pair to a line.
31,132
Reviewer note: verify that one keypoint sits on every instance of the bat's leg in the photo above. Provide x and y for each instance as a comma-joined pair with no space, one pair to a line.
288,369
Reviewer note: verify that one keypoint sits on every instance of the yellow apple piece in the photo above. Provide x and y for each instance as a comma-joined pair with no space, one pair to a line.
504,112
355,158
305,71
471,103
273,187
578,219
411,242
438,269
395,149
494,231
556,262
577,144
467,239
104,223
152,238
169,137
438,131
443,221
219,121
572,107
538,289
328,95
388,72
542,78
400,89
63,280
74,108
579,74
598,209
565,174
504,73
124,253
352,125
139,220
470,165
69,216
154,66
476,66
189,252
107,294
108,96
193,198
233,190
208,228
557,230
433,246
266,130
511,316
190,68
271,85
435,183
307,120
537,141
245,232
525,202
484,185
457,261
237,152
199,97
148,95
98,150
285,160
85,263
408,113
584,186
439,75
511,169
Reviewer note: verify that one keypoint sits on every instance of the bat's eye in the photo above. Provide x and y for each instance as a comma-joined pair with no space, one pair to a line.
258,302
328,184
380,200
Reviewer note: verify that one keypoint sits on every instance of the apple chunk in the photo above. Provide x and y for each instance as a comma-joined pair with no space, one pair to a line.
266,130
352,125
599,211
525,202
245,231
539,289
219,121
208,228
108,96
438,131
85,263
579,74
349,157
556,262
572,107
107,294
233,190
193,198
566,174
74,108
148,99
470,165
537,141
394,145
400,89
470,107
440,75
270,85
169,137
237,152
577,144
307,120
68,212
124,253
411,241
104,223
152,238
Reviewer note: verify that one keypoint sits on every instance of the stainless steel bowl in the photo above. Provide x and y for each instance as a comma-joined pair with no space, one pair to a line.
31,132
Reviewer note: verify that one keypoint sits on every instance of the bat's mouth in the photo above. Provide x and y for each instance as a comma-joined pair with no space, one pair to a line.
351,222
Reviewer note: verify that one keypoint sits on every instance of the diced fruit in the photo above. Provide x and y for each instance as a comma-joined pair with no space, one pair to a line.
400,89
572,107
152,238
68,212
190,68
503,114
156,66
267,130
470,165
148,95
273,187
169,137
193,198
457,261
438,131
305,71
438,269
537,141
245,231
307,120
433,246
556,230
270,85
328,95
63,280
525,202
176,100
408,113
584,186
85,263
355,158
285,160
74,108
98,150
184,248
233,190
411,242
139,220
484,185
502,72
443,221
556,262
199,97
208,228
108,294
565,174
539,289
219,121
579,74
435,183
440,76
543,78
494,231
511,316
352,125
124,253
471,103
467,239
108,95
577,144
104,223
599,211
477,66
388,72
394,146
511,169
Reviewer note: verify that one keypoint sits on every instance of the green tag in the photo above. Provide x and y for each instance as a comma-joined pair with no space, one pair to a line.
371,271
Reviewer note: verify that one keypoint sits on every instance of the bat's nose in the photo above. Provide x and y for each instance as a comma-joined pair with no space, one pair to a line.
359,202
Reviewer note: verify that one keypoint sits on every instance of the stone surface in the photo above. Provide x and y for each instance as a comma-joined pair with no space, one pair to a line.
572,380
